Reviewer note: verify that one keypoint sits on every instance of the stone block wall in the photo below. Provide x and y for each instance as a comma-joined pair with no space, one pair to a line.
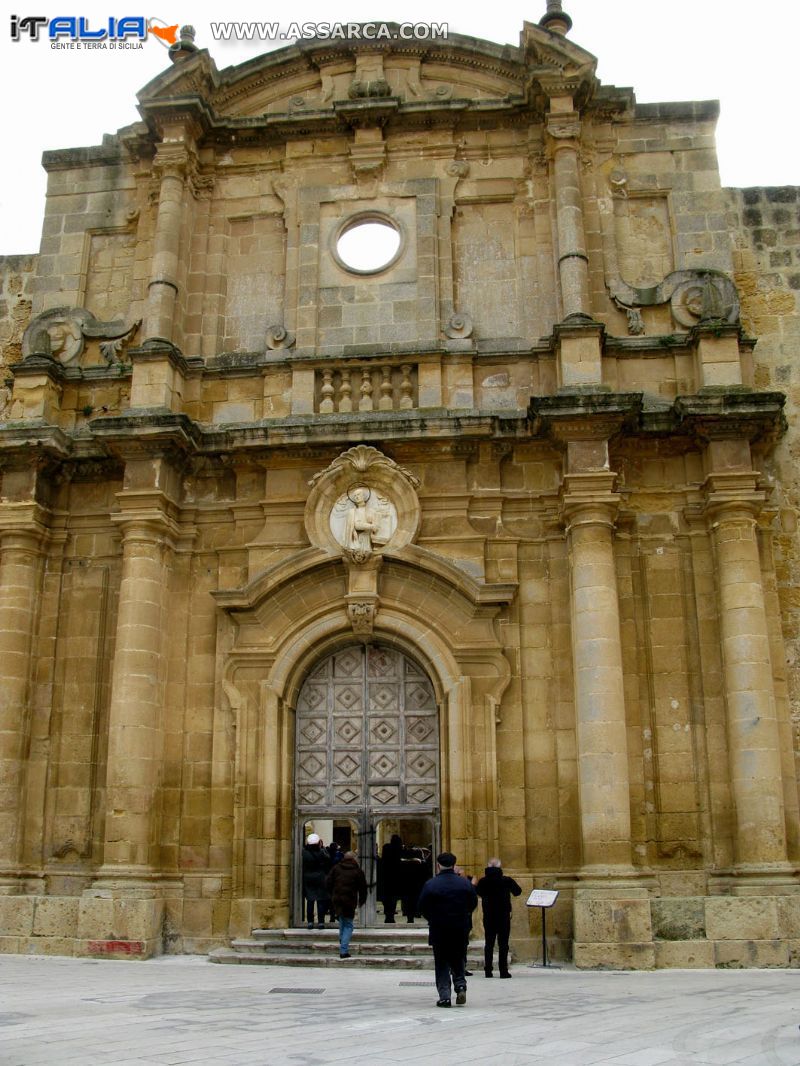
17,274
765,223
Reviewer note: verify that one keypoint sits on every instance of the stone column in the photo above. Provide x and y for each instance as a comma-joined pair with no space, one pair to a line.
135,729
753,734
20,570
599,691
163,288
564,127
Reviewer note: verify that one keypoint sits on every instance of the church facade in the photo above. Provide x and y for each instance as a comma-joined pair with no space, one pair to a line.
489,543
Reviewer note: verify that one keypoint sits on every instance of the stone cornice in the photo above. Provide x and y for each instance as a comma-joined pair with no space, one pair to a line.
143,434
590,415
736,413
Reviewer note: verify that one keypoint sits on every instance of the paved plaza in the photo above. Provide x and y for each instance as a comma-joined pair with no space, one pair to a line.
175,1010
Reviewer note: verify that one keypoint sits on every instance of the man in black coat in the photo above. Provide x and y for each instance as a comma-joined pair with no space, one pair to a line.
496,890
447,901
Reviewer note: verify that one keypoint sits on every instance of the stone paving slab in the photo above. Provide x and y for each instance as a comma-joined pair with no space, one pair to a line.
184,1010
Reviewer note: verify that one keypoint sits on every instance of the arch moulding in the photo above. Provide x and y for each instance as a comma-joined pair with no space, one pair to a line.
286,619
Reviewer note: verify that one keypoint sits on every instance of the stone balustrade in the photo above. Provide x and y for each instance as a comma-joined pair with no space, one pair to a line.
353,387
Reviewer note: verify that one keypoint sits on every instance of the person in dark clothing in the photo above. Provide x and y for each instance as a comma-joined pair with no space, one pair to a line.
390,874
335,854
348,889
447,901
316,864
495,891
413,875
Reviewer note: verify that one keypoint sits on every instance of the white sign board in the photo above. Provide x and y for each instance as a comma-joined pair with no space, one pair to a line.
541,897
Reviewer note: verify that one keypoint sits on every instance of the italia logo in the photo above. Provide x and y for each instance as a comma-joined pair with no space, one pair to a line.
80,29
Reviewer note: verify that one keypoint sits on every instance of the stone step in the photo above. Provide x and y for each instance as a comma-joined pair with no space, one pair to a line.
406,934
265,958
402,948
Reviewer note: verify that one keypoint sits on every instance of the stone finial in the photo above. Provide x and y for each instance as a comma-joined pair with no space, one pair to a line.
184,46
556,19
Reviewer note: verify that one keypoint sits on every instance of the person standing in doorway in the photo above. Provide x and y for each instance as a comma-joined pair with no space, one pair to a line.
316,864
495,891
390,872
348,889
447,901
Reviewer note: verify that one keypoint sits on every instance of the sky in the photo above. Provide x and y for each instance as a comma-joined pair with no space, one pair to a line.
736,51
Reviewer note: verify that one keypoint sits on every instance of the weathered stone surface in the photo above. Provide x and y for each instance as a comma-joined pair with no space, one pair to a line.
684,954
741,954
678,919
749,918
579,530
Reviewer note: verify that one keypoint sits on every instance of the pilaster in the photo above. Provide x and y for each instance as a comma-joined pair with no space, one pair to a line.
23,535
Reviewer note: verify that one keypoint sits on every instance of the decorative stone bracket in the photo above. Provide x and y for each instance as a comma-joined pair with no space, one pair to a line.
62,332
695,297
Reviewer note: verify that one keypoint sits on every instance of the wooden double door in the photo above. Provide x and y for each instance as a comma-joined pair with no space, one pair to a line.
367,762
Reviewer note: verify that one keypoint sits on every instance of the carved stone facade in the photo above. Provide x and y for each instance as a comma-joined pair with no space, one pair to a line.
501,535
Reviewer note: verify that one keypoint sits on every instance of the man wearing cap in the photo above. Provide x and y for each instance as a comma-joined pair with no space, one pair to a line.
447,901
316,864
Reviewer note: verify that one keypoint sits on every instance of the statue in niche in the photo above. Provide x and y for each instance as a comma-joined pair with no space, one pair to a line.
362,520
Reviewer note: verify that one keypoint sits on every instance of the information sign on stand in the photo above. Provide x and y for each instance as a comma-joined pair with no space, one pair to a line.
544,898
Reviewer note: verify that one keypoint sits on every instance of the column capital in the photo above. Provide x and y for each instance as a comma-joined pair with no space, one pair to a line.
564,130
733,496
589,509
149,516
24,525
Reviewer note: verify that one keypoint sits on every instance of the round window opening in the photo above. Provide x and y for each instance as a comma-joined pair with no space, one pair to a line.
368,244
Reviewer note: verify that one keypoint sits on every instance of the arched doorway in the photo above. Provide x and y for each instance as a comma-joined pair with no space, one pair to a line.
367,764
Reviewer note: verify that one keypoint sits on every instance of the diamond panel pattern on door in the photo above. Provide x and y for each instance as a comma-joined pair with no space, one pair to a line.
383,764
312,765
419,729
313,698
382,662
346,766
314,730
383,731
347,730
347,697
349,663
419,697
367,713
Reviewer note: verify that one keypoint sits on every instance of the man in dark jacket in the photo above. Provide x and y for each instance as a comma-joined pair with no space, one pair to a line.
447,901
348,888
315,868
496,890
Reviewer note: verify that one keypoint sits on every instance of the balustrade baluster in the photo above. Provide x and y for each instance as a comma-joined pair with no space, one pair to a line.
326,403
386,401
346,393
365,403
406,388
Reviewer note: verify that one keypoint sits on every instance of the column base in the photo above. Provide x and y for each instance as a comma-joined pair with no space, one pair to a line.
740,918
613,926
122,915
764,879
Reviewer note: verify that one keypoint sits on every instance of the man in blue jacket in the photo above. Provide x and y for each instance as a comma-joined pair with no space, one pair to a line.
447,901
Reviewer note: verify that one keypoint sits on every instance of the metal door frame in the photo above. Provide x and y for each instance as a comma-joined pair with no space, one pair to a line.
366,820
